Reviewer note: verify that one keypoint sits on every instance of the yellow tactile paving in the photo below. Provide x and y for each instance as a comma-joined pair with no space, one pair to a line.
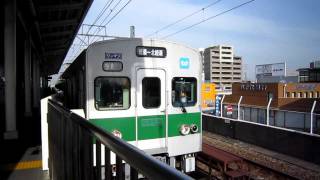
23,165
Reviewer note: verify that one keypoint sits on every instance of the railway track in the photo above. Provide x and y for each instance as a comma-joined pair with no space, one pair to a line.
258,165
209,168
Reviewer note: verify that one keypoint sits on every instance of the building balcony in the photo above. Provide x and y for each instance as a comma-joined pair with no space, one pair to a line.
239,71
226,80
227,70
237,65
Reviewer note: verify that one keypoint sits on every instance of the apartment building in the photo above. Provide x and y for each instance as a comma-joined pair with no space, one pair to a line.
222,67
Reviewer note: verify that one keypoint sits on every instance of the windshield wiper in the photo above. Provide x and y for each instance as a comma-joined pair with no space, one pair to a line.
183,109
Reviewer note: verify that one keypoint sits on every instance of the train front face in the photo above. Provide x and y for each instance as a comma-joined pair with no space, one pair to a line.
147,93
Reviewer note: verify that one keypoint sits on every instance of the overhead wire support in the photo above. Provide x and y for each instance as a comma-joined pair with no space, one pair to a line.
207,19
99,29
186,17
105,18
114,15
106,6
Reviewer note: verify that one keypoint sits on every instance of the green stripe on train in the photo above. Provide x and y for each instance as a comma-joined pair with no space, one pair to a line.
125,125
150,127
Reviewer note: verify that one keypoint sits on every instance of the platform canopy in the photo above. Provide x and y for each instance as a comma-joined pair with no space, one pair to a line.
55,24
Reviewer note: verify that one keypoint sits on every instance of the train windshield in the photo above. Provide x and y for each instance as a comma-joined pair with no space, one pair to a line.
112,93
184,92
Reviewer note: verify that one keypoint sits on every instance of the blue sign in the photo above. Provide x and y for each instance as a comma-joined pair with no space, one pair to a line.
218,104
113,55
184,63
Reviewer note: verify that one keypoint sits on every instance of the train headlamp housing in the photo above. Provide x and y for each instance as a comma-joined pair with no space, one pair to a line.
117,133
194,128
184,129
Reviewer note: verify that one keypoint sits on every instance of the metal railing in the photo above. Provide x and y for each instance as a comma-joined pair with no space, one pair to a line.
294,120
299,121
71,156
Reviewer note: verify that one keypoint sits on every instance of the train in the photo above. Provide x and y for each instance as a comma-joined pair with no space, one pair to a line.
144,91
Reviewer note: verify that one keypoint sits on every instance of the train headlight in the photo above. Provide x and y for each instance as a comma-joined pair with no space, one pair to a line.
117,133
194,128
184,129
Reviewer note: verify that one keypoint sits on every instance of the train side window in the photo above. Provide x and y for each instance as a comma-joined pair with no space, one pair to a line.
151,92
112,93
184,91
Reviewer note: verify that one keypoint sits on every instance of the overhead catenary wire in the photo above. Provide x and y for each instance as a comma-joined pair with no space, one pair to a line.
118,12
185,17
111,10
115,15
105,7
207,19
99,29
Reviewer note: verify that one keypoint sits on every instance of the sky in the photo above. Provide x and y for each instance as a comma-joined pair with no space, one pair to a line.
262,32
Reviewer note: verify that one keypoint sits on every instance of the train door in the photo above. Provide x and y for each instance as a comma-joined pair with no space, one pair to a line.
151,109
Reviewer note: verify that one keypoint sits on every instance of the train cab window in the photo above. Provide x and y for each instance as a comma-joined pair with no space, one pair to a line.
112,93
151,92
184,92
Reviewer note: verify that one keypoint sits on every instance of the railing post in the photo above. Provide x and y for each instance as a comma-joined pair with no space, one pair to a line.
268,108
98,160
107,166
87,154
133,173
44,133
311,116
119,170
239,107
221,105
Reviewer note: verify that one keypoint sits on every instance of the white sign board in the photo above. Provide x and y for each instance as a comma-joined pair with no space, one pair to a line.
229,110
278,69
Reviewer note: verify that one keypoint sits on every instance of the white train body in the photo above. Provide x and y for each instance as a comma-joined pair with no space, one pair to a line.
145,91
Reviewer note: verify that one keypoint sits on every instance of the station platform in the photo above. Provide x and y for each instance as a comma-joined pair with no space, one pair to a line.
23,163
21,158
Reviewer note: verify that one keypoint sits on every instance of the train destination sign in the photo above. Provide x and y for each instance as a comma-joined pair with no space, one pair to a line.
148,51
112,66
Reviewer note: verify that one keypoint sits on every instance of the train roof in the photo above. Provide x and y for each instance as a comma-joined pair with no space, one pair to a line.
142,40
77,63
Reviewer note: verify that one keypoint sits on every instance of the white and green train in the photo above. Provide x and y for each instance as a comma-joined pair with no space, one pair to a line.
146,92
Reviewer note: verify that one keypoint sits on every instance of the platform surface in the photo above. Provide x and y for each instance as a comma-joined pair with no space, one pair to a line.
28,167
